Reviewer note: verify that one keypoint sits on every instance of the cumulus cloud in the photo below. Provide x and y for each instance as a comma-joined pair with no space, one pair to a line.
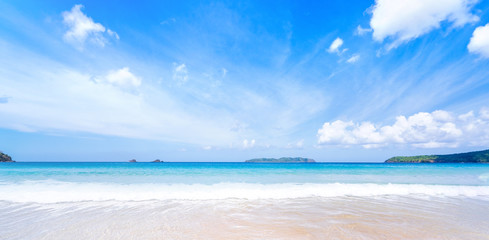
180,73
353,58
82,28
402,21
122,78
423,130
479,42
335,46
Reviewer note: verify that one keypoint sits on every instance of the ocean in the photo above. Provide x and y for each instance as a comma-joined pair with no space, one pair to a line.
243,201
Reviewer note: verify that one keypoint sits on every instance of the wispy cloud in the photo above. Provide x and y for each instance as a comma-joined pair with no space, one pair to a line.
51,97
168,21
113,34
60,97
180,73
207,148
218,77
354,58
360,31
296,145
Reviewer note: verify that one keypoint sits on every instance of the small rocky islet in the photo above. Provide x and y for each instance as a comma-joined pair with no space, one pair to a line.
5,158
154,161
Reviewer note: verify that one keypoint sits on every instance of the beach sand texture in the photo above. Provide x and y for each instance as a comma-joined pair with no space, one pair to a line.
304,218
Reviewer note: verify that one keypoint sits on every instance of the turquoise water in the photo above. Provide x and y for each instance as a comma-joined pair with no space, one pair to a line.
65,182
212,173
243,201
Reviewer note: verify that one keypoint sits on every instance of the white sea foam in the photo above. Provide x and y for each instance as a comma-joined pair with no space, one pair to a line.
51,192
484,177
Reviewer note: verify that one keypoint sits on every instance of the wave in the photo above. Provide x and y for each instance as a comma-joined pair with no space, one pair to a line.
52,192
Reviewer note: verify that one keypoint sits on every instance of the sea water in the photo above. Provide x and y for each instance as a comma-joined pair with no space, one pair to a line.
243,201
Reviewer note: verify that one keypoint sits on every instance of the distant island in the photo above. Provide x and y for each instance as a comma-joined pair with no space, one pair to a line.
281,160
5,158
468,157
154,161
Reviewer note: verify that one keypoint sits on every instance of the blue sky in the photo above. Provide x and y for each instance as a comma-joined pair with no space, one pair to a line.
229,80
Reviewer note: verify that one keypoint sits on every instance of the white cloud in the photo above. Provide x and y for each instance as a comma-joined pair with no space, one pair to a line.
402,20
168,21
297,145
49,97
484,114
180,73
353,58
479,42
207,148
300,143
82,28
360,31
122,78
248,144
335,46
113,34
224,72
424,130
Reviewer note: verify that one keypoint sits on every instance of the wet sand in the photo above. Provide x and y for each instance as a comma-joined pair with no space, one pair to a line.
383,217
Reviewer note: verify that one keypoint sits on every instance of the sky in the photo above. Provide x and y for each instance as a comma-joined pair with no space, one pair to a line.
336,81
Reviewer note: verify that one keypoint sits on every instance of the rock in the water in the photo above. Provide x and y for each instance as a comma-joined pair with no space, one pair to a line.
132,160
157,160
5,158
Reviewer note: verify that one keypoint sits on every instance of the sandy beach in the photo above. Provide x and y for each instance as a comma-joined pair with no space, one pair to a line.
305,218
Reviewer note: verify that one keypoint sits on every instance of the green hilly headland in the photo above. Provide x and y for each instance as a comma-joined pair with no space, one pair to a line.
468,157
5,158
